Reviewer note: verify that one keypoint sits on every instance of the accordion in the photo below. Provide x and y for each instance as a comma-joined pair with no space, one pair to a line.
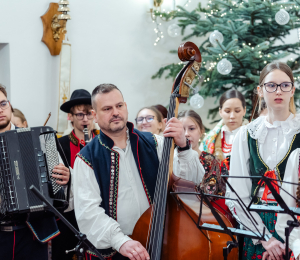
27,157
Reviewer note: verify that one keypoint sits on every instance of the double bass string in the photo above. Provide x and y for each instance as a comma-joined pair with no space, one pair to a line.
160,197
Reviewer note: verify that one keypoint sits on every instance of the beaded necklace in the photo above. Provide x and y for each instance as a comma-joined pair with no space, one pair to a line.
226,148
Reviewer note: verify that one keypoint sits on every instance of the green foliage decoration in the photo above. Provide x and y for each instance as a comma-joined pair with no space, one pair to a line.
252,38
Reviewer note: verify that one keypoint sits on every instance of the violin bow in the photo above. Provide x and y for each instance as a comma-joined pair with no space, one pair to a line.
47,119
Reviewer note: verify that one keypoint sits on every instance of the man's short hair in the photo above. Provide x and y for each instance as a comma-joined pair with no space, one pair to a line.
3,90
102,89
85,107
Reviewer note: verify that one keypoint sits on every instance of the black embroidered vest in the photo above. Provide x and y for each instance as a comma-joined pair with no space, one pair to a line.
257,165
100,156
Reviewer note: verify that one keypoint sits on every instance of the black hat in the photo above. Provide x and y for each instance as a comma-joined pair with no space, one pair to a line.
78,97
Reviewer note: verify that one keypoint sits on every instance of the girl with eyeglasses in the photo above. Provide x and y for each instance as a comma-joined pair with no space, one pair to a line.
269,145
149,119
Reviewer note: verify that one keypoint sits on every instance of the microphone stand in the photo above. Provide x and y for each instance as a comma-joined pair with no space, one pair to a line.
83,244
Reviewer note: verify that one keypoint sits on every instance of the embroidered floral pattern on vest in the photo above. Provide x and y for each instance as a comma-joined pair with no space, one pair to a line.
155,140
73,139
114,183
212,183
114,180
85,160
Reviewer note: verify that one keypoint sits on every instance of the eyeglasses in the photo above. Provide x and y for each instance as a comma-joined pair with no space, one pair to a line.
284,86
4,104
140,119
80,116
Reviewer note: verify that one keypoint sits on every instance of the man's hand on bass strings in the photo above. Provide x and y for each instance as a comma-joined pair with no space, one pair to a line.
174,128
134,250
63,175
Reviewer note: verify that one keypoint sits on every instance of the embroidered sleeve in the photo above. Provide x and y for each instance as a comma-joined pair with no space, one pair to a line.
84,159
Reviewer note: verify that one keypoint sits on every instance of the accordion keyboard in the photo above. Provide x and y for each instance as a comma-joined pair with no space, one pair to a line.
52,159
7,187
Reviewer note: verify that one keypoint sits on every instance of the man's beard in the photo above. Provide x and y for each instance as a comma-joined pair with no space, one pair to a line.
4,125
115,129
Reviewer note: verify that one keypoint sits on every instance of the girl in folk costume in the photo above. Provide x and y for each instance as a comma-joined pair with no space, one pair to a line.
269,144
209,178
232,109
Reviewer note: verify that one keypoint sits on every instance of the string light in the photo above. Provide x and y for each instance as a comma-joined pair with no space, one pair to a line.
161,15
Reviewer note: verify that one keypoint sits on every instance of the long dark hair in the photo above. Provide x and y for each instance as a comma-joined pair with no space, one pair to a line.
232,93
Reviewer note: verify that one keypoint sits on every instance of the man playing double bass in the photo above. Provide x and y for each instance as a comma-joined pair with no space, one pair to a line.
115,175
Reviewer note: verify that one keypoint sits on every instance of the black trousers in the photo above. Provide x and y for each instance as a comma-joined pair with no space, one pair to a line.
66,239
117,256
21,245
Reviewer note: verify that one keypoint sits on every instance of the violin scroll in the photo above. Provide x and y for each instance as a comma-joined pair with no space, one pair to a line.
188,51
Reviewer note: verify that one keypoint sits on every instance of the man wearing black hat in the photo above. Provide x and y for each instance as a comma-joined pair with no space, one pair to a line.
79,111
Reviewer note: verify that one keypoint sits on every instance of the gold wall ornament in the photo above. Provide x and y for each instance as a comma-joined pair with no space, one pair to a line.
157,3
51,29
56,28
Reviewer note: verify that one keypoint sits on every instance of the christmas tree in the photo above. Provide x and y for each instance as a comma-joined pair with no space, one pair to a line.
241,38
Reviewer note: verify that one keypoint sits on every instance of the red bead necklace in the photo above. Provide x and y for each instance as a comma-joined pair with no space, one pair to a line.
226,148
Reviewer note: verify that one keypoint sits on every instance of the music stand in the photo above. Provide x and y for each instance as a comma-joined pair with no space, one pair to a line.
274,209
222,228
83,244
291,224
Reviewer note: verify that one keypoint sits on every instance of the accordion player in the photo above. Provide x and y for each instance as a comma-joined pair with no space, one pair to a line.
27,157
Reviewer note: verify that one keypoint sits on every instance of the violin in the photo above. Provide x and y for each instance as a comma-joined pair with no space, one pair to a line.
168,229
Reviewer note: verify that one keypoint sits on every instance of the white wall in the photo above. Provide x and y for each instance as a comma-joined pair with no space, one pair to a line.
112,42
5,66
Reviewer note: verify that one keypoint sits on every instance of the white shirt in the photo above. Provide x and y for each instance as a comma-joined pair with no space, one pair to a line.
12,126
181,162
102,230
274,141
228,137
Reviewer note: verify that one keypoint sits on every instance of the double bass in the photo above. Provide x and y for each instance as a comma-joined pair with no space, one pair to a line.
168,228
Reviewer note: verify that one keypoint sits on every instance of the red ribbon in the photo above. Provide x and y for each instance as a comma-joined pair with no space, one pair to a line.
272,175
226,163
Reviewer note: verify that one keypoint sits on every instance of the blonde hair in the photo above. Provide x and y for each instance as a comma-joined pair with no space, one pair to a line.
277,65
19,114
